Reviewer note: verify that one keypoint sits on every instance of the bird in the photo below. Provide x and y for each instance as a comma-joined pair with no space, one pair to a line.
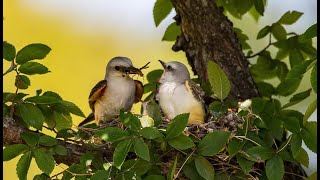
115,92
178,94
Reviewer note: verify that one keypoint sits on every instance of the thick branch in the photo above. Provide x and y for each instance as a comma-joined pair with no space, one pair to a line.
208,35
12,135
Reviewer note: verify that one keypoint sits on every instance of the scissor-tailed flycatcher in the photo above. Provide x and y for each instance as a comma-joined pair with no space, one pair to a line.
117,91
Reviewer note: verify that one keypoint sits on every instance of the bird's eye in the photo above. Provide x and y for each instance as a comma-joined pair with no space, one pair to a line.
169,68
117,68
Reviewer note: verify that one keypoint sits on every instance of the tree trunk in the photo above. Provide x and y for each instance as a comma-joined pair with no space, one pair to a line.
208,35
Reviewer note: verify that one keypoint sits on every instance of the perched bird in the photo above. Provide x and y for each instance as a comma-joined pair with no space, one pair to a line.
117,91
178,94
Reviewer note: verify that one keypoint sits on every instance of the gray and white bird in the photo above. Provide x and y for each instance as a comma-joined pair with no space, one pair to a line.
117,91
178,94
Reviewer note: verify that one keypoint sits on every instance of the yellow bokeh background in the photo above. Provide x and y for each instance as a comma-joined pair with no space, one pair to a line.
81,50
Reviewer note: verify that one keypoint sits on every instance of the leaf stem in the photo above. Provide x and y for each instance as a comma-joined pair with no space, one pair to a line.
258,53
184,164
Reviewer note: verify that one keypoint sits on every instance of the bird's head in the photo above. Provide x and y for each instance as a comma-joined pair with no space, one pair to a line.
174,72
121,67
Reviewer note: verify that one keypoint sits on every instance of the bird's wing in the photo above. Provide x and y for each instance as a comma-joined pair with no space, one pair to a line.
96,92
196,90
139,91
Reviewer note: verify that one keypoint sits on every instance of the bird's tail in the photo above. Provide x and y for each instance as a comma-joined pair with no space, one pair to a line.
87,119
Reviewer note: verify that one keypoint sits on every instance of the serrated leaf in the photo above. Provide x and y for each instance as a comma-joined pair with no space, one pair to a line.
72,108
63,121
47,140
265,89
291,123
290,17
45,161
181,142
13,151
309,135
100,174
219,81
121,152
264,31
31,52
275,168
213,142
295,146
311,108
278,31
302,157
297,98
161,10
177,125
30,138
61,150
130,121
295,57
141,149
288,86
23,165
111,134
9,51
32,115
22,82
246,165
150,133
41,176
171,33
259,153
42,100
204,168
310,33
32,68
313,78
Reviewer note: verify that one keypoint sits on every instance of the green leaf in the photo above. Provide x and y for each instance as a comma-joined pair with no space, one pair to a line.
181,142
172,169
23,165
41,176
13,151
219,81
235,146
295,57
218,109
30,138
154,177
31,52
31,114
177,125
259,153
278,31
136,166
121,152
275,168
310,33
44,160
246,165
313,78
259,6
153,110
130,121
264,31
191,172
265,89
52,94
154,75
297,98
291,123
282,71
213,142
313,176
32,68
150,133
149,87
9,51
161,10
61,150
257,105
290,17
141,149
172,31
302,157
288,86
47,141
312,107
309,135
111,134
63,121
22,82
295,146
42,99
204,168
100,174
72,108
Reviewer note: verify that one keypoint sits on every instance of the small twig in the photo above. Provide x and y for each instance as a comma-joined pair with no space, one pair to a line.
243,137
184,164
50,129
295,175
145,66
258,53
285,145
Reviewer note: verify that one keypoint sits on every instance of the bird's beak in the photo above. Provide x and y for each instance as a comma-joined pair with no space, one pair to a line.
133,70
163,64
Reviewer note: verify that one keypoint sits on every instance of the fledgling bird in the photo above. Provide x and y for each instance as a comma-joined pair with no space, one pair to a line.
178,94
117,91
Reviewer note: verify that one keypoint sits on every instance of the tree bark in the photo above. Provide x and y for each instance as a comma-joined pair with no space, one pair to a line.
208,35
